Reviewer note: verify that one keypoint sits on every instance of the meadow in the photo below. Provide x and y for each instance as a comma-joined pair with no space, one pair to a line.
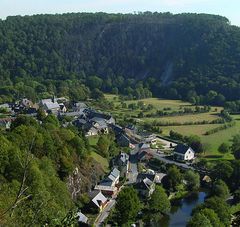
212,142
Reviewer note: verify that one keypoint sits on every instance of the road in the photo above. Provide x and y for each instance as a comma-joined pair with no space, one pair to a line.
133,169
104,214
163,158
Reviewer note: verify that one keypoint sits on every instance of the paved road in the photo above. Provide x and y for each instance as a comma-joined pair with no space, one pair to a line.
163,158
104,214
133,170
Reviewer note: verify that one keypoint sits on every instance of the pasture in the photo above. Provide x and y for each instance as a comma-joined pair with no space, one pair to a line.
212,142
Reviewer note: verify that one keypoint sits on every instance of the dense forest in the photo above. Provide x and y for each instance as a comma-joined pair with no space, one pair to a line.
194,57
37,162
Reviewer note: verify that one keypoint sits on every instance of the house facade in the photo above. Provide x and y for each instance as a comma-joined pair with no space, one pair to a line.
183,153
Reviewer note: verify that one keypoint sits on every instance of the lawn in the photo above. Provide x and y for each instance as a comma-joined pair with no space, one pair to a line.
93,140
103,161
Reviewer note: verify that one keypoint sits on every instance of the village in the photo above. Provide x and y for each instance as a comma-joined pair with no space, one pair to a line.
127,168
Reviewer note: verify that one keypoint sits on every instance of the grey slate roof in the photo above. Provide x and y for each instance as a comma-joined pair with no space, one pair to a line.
97,198
144,146
182,149
82,218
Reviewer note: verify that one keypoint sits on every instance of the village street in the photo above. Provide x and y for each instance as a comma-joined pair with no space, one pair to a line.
104,214
133,169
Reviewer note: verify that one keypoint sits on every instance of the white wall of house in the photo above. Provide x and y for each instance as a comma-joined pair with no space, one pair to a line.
189,155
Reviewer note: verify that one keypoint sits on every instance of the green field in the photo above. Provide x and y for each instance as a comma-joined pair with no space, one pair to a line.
186,118
101,160
212,141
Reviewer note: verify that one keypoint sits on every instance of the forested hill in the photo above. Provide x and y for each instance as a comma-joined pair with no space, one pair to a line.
175,56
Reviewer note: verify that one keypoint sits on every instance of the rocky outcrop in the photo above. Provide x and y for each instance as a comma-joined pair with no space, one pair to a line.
84,177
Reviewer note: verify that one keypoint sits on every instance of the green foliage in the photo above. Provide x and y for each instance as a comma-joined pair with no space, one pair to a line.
192,180
236,146
159,202
220,207
206,217
62,54
127,206
173,179
47,155
223,148
220,189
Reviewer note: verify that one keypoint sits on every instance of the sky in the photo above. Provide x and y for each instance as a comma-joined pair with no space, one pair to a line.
227,8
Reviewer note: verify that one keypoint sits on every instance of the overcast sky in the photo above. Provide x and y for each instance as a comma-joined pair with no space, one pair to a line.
228,8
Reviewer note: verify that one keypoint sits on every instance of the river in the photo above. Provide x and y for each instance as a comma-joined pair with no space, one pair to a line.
181,210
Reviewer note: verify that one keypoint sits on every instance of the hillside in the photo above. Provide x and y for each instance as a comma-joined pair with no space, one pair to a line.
185,56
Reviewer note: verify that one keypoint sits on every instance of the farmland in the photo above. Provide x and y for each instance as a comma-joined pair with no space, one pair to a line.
212,142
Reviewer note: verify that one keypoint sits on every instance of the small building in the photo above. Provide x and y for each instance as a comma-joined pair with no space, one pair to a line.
98,200
122,162
78,106
145,187
123,140
82,219
144,146
144,156
183,153
107,190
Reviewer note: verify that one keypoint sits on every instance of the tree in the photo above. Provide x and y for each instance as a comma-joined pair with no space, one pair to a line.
220,189
192,180
220,207
199,220
236,195
212,217
173,178
236,146
222,170
159,202
103,146
223,148
127,205
206,217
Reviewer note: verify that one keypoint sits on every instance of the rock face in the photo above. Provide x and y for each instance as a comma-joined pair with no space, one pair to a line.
84,177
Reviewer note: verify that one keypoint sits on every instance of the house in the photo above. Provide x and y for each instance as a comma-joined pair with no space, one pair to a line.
82,219
118,130
52,105
91,131
144,156
98,200
122,162
123,140
144,146
26,103
100,124
145,187
183,153
142,176
106,190
78,106
112,179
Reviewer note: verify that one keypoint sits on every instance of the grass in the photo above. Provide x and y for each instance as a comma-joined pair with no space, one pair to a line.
93,140
186,118
103,161
213,141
